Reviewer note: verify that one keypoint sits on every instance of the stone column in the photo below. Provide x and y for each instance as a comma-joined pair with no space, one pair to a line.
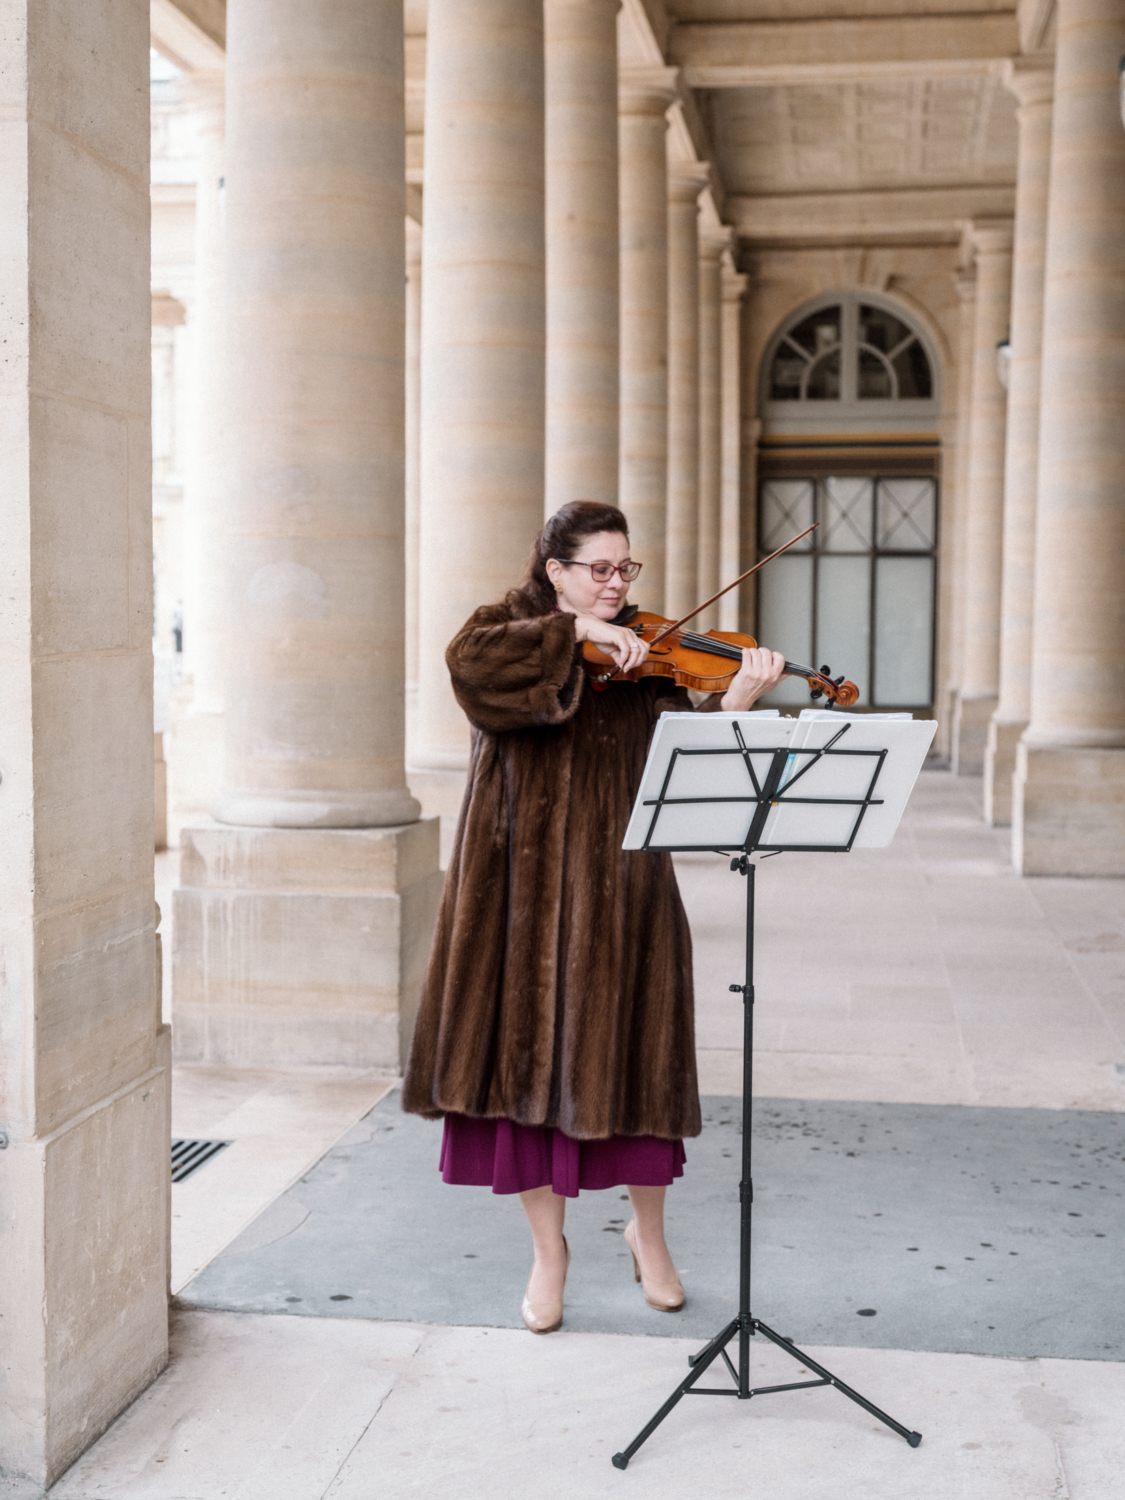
730,525
583,313
1068,814
195,740
951,569
483,343
713,243
644,95
980,666
413,467
300,931
84,1125
686,181
1032,81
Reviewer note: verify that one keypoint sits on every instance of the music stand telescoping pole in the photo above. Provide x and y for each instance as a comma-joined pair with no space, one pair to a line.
772,772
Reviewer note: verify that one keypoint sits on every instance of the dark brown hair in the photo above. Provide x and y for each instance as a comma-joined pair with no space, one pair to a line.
561,537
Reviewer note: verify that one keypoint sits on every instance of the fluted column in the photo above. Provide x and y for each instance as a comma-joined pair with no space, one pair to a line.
195,741
413,465
298,930
583,337
644,96
1069,789
483,333
730,526
712,245
685,183
980,669
1032,81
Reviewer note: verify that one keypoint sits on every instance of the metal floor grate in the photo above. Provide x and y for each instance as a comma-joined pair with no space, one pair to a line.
189,1156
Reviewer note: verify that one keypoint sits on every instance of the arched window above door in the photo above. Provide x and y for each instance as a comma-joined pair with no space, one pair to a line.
853,356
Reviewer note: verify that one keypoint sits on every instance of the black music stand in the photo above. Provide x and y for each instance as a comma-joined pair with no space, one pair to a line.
772,773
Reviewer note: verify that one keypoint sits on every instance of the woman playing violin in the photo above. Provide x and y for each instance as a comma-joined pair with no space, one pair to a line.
555,1033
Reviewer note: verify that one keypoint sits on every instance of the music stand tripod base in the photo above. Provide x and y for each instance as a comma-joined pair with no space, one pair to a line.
766,792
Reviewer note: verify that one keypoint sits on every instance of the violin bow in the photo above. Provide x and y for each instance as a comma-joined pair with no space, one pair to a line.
668,629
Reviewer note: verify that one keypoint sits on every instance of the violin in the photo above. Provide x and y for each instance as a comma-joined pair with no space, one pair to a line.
705,661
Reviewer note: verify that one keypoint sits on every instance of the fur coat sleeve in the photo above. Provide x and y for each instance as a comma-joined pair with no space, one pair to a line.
559,988
512,673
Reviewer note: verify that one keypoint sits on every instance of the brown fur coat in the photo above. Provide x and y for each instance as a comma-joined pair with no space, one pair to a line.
559,990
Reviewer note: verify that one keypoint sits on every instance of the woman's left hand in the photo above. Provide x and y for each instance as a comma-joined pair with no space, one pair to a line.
760,672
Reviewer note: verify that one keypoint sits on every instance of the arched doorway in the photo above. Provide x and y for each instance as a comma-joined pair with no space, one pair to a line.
849,406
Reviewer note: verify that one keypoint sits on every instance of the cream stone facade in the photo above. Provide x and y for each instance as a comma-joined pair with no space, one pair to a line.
395,280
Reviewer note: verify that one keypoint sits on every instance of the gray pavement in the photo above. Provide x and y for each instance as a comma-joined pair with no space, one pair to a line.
965,1229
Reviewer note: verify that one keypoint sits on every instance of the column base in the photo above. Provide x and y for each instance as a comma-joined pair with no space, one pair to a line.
84,1264
302,947
999,767
971,718
1068,812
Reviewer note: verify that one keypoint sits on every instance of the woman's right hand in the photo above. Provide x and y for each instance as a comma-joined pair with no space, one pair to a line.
626,648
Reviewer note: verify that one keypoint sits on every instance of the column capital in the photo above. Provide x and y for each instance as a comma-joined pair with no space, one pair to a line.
687,179
1031,77
992,236
734,285
965,281
646,91
714,240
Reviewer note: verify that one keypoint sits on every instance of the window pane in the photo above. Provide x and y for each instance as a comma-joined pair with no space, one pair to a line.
845,515
785,621
785,377
819,331
915,382
843,618
907,514
881,329
904,593
785,508
824,379
875,383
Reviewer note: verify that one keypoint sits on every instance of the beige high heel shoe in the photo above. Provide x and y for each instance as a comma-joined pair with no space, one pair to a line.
545,1317
664,1296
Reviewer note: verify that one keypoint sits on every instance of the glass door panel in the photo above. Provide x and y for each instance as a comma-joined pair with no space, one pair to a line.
904,612
843,619
785,612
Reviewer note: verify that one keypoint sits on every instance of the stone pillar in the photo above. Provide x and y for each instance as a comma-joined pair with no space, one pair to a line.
713,243
583,313
644,95
980,665
951,570
84,1167
483,344
413,467
195,740
1032,81
730,525
686,180
300,931
1068,814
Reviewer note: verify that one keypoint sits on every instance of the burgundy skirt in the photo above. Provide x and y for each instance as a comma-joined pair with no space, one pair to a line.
511,1158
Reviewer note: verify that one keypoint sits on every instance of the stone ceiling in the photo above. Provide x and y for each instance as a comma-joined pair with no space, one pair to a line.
877,133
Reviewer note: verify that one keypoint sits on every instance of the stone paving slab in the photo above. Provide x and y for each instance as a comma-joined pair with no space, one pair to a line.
965,1229
275,1408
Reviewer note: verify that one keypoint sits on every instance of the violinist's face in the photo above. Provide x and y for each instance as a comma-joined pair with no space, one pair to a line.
582,594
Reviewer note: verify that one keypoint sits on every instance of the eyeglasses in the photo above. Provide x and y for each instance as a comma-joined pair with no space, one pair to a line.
602,572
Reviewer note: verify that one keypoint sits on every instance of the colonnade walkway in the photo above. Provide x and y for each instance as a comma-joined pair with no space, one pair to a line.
942,1077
